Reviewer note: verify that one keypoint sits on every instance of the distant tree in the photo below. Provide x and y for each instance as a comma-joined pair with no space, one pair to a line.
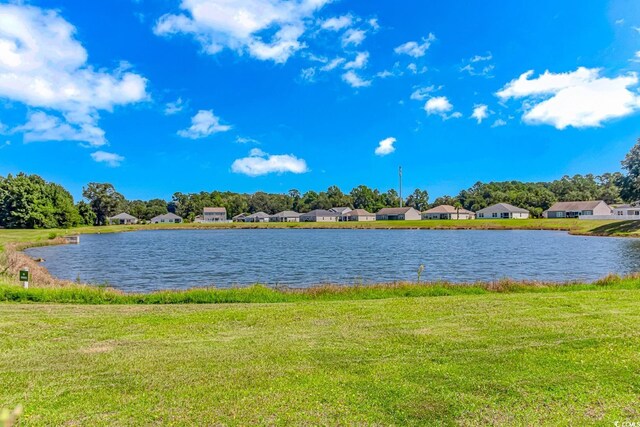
104,200
457,206
630,183
364,198
86,213
419,200
337,198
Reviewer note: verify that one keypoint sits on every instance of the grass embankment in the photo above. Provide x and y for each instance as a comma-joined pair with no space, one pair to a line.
504,359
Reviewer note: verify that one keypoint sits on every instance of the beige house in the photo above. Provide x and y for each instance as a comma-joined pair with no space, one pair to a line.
214,215
240,217
360,215
447,212
123,219
319,215
398,214
577,209
502,211
285,216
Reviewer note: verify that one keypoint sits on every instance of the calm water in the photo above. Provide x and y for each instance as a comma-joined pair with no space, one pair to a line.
150,260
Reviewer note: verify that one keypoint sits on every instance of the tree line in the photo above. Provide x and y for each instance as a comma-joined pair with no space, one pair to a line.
28,201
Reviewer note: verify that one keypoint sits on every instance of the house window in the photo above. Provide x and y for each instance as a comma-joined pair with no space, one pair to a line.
495,215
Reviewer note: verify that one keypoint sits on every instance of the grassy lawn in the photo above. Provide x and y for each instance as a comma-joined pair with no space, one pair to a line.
563,358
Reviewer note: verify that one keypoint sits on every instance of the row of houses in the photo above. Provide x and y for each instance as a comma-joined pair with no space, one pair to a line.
584,210
338,214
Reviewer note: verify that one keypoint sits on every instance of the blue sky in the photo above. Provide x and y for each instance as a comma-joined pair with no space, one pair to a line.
159,96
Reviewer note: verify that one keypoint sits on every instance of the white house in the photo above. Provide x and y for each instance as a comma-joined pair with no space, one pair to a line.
398,214
447,212
123,219
285,216
168,218
214,214
502,211
623,212
319,215
577,209
342,212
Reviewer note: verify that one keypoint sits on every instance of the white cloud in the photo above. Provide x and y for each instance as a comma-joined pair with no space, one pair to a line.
415,49
373,23
246,140
360,61
354,80
260,163
421,93
581,98
111,159
637,29
480,112
203,124
353,37
41,126
174,107
619,21
441,106
337,23
385,146
498,123
384,74
334,63
308,74
43,66
480,58
240,25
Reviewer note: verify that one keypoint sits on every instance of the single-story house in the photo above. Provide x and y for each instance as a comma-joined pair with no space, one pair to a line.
502,211
577,209
319,215
168,218
628,210
214,214
123,219
285,216
447,212
398,214
360,215
240,217
257,217
342,212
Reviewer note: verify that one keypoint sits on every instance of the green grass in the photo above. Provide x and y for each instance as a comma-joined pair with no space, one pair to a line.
553,358
83,294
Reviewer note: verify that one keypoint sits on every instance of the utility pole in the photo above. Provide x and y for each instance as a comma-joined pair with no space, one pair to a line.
400,177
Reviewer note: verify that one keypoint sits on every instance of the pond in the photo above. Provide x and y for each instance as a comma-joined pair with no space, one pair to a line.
144,261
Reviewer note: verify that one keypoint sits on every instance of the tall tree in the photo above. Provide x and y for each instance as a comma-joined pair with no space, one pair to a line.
104,200
419,200
630,184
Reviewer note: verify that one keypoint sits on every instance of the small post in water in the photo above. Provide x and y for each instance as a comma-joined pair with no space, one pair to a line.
24,278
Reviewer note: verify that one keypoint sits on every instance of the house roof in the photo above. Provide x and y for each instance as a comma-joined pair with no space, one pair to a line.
258,215
575,206
241,215
360,212
286,214
341,210
169,215
319,212
394,211
215,210
502,207
446,209
123,215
